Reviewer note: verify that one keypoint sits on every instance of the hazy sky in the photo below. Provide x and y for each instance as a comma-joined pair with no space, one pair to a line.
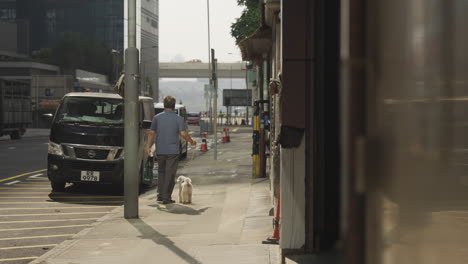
183,30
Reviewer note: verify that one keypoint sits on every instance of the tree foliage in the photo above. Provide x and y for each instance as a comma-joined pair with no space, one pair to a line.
249,20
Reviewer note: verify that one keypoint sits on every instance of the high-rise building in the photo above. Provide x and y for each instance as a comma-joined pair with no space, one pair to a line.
102,20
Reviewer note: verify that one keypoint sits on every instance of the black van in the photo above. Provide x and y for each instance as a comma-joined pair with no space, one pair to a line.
87,140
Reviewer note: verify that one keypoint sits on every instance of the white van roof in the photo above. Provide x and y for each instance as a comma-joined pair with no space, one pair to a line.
89,94
102,95
161,106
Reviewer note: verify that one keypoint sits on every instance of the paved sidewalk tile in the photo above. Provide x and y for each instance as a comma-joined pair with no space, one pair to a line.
225,224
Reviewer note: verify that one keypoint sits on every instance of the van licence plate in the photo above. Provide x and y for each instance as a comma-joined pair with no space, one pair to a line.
90,176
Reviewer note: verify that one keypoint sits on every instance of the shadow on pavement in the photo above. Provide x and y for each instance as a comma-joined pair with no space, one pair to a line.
179,209
88,194
147,232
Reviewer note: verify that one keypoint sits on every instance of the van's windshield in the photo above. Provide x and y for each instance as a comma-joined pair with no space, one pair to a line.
91,110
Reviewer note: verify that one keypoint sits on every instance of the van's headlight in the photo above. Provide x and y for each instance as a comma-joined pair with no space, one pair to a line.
55,149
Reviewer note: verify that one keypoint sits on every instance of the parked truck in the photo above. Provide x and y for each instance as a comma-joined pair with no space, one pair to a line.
15,108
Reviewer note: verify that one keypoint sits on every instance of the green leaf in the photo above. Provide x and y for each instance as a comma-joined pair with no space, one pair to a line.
249,20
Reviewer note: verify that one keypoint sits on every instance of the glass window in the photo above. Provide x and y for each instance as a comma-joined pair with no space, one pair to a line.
91,110
154,23
7,14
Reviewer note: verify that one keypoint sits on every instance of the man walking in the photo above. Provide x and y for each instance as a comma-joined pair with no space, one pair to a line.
166,128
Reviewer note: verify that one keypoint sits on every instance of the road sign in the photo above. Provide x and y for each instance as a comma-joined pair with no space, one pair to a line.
237,97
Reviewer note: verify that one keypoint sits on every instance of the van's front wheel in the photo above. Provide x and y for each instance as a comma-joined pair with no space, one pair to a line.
57,186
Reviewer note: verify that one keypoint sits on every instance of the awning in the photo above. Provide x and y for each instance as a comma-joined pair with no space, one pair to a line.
255,46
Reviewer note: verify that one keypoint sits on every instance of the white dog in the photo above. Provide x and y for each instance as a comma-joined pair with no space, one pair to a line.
180,180
187,191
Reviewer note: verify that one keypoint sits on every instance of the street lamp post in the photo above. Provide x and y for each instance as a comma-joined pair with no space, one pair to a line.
229,108
131,118
210,81
115,54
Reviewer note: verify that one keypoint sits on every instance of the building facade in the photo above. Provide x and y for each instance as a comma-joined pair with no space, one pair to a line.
367,101
101,20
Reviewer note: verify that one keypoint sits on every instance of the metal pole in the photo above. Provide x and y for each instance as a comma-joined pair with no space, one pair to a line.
246,87
131,166
37,101
215,103
143,76
210,81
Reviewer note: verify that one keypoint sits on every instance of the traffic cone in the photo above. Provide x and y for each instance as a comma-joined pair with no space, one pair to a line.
276,225
203,146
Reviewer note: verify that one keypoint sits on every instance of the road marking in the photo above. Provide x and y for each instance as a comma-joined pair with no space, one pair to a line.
37,176
53,220
33,246
54,208
36,183
11,183
32,237
56,214
31,185
19,185
33,193
11,147
21,175
64,202
23,188
37,180
56,197
13,259
235,129
26,184
43,227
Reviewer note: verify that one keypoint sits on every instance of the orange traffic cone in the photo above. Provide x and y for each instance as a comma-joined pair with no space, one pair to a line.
276,225
203,146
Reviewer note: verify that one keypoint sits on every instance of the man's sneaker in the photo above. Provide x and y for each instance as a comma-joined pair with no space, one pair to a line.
168,202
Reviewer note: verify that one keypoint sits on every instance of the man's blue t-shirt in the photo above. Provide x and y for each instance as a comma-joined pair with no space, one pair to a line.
167,126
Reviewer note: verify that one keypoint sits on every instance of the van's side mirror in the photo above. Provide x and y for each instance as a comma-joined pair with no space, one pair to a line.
146,124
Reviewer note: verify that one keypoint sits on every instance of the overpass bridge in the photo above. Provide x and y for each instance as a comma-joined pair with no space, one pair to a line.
200,70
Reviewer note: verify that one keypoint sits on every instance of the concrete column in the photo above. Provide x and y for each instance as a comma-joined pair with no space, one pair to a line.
292,188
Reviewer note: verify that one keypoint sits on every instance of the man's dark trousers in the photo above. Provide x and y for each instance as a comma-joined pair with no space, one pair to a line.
167,168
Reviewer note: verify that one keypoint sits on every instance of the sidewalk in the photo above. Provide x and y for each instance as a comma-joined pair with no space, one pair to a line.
225,224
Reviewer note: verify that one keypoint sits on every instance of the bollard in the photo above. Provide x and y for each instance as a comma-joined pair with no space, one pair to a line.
226,138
